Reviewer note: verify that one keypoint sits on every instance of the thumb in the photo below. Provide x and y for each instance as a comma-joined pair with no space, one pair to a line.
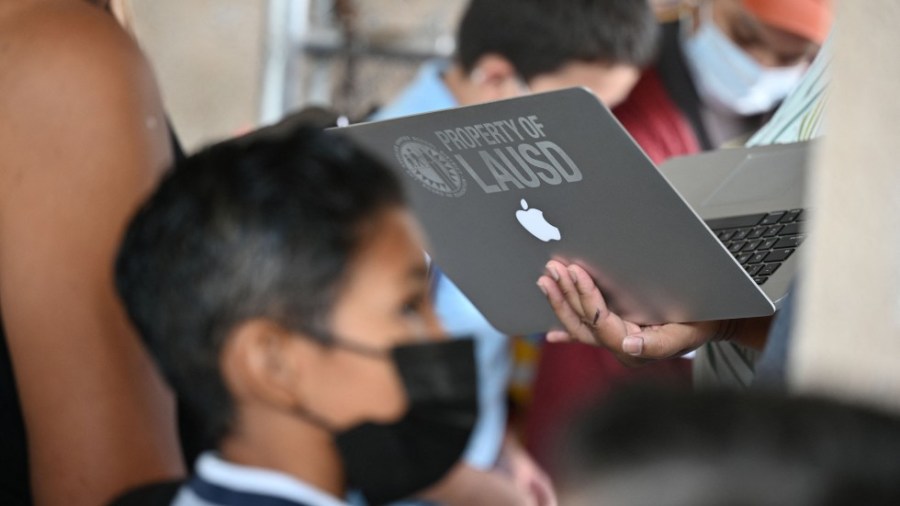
661,342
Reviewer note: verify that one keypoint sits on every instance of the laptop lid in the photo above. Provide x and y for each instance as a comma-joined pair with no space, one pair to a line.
505,186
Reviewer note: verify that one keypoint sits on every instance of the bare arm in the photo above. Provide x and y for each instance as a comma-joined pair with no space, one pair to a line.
83,139
516,480
467,486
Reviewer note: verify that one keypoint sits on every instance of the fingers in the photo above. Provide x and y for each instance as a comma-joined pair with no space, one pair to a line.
633,345
604,329
589,297
524,482
597,314
667,341
530,478
558,336
566,283
542,489
579,291
580,307
571,321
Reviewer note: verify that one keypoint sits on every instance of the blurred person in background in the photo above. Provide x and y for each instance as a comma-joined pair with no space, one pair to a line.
669,448
728,64
83,137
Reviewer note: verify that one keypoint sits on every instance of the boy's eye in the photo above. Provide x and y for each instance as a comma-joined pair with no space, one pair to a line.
413,306
745,40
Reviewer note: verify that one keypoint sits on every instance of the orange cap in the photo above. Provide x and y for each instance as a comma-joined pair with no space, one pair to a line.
810,19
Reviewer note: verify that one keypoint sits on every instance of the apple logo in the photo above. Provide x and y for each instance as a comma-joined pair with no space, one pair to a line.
533,220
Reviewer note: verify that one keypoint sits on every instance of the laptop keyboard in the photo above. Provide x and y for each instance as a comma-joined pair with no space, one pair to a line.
761,242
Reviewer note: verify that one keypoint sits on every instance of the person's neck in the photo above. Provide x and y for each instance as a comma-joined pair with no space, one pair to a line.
460,85
281,442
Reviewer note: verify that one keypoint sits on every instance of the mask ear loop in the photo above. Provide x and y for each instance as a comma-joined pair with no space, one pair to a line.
326,339
691,14
361,349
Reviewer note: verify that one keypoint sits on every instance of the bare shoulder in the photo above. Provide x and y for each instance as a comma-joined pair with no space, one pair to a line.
82,140
56,36
81,116
69,71
70,44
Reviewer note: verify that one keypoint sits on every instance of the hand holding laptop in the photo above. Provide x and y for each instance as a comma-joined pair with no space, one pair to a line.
581,309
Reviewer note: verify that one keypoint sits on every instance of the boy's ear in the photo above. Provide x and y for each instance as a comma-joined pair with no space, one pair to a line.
262,363
494,78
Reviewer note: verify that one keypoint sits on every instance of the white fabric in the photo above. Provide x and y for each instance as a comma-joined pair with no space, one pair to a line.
213,469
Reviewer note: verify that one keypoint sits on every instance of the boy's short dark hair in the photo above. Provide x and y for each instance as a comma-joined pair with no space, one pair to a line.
540,36
261,226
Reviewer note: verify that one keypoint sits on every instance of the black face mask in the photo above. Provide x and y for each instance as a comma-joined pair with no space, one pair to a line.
387,462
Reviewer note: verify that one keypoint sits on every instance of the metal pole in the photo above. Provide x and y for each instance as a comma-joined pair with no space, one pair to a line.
287,21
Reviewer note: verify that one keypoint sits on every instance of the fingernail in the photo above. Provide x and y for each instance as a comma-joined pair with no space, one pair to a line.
543,290
553,273
555,336
633,345
572,275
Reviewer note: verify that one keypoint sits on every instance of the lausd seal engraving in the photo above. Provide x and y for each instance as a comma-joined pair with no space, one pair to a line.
430,166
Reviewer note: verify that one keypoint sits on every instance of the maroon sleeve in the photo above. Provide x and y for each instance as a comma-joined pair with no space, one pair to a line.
655,122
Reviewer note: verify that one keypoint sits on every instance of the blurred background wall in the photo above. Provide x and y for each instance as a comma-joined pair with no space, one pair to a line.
206,54
220,62
226,66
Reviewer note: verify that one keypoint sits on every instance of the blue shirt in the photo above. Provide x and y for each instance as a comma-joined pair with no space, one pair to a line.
427,93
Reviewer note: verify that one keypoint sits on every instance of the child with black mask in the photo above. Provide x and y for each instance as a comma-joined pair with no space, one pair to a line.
279,282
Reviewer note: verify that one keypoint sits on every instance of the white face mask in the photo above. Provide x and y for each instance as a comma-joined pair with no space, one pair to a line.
726,75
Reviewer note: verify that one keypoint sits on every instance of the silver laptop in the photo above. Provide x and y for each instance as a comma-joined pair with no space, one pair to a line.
503,187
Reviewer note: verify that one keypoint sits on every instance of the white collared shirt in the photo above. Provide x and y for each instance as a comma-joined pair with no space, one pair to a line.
214,472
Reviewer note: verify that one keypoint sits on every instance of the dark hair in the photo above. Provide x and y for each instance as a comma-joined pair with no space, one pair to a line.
540,36
313,115
716,448
261,226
